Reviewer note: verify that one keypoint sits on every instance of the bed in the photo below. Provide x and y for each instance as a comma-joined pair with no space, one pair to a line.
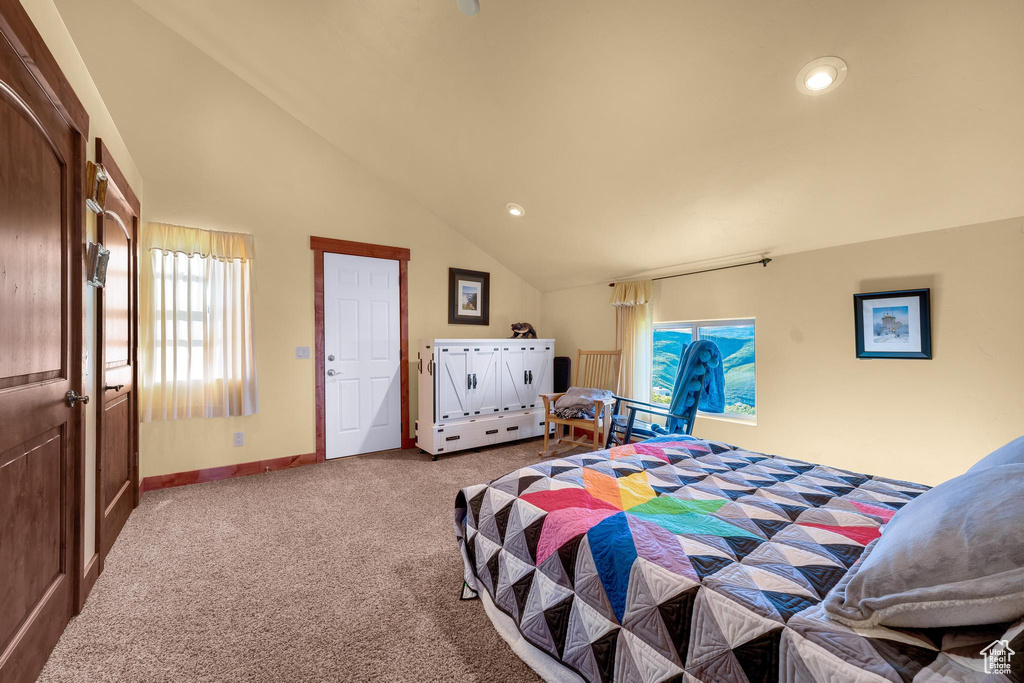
689,560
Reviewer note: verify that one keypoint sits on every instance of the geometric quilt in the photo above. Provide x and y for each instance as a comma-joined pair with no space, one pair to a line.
687,560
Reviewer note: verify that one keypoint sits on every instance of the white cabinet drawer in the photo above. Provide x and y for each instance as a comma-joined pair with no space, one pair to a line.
458,436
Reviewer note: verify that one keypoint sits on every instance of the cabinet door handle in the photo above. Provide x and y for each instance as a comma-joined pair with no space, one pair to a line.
526,377
469,381
531,376
419,365
430,366
474,380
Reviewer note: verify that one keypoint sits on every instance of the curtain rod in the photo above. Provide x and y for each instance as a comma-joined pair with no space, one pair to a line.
763,262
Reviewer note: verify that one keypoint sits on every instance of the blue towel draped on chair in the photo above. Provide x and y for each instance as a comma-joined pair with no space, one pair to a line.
700,381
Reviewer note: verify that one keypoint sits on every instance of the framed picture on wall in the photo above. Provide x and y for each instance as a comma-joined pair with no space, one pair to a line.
893,324
469,297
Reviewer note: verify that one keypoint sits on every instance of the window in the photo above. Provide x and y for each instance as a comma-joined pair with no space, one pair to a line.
196,326
735,339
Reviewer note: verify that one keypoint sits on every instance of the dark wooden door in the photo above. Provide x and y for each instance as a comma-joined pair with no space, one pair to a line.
41,170
117,481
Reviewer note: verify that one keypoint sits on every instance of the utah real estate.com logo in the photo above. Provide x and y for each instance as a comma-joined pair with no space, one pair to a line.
997,657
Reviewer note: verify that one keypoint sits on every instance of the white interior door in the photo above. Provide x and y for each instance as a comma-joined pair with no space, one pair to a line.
361,355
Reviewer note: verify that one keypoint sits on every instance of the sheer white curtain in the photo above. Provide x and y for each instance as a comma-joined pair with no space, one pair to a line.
196,328
633,335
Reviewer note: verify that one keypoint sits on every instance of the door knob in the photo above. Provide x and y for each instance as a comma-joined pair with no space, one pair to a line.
73,398
330,373
331,357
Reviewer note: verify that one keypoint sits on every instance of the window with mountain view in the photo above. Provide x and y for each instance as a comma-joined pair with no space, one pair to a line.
734,338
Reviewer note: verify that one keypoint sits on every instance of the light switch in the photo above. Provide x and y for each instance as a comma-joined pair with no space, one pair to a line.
302,352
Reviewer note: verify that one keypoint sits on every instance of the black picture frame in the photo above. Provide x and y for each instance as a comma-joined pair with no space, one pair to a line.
460,303
891,324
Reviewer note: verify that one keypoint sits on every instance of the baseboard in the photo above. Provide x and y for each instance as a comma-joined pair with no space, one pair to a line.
164,481
88,580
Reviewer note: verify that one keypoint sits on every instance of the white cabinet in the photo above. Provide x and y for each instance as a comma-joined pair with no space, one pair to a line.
476,392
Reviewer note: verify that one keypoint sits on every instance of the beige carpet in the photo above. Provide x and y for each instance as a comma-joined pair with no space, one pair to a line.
346,571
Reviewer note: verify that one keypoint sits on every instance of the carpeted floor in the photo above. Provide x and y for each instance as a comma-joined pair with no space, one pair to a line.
346,571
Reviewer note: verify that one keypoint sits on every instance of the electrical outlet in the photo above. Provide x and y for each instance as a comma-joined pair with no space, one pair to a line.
239,439
302,352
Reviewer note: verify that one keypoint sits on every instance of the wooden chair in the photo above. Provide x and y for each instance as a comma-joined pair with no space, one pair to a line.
594,370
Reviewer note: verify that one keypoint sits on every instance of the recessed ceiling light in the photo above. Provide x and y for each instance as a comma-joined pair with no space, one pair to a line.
515,209
469,7
821,76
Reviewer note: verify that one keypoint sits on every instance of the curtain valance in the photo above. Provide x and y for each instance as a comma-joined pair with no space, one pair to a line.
225,246
634,293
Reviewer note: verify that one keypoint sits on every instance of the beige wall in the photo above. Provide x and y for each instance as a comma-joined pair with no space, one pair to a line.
217,154
921,420
51,27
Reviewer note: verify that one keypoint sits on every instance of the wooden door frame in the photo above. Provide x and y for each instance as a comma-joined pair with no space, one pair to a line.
116,183
320,246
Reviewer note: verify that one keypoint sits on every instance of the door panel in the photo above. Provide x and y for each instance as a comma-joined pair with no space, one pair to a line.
485,396
41,175
514,390
539,366
116,415
362,387
30,477
116,423
453,382
30,202
116,293
115,465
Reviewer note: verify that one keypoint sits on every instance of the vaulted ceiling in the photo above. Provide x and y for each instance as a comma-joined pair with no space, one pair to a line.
654,134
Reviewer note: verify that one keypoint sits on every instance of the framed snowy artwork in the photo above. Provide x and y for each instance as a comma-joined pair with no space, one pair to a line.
469,297
893,324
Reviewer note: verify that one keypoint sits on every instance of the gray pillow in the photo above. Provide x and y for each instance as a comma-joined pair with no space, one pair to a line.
1010,454
953,556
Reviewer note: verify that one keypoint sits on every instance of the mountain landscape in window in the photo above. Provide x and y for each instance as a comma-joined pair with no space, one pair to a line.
736,342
